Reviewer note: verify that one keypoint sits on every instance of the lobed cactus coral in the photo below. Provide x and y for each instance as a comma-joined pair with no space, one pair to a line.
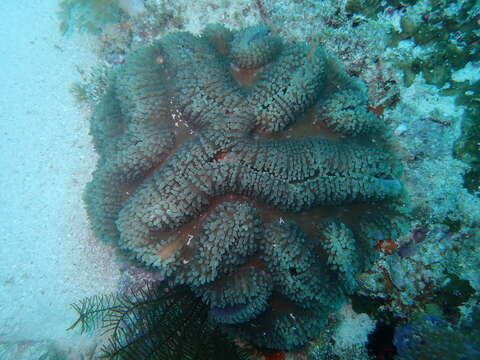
215,169
253,47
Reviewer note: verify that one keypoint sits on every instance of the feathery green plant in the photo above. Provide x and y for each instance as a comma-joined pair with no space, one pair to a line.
158,322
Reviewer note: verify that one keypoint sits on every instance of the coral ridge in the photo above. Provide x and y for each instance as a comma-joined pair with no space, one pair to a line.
200,178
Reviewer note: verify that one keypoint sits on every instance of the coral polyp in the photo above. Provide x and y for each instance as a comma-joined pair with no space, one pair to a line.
240,164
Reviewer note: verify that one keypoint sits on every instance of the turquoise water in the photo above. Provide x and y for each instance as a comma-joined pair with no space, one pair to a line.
307,188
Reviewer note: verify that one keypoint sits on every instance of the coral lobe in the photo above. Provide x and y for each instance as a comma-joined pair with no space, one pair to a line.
197,207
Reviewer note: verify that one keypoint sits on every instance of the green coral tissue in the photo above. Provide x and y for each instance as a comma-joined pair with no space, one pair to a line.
248,169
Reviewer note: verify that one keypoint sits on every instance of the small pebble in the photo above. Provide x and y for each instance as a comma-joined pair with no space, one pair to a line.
400,129
116,58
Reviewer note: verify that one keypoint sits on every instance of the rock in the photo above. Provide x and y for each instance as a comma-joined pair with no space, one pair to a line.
400,130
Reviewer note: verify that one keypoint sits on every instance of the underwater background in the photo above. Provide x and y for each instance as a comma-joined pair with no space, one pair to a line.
417,297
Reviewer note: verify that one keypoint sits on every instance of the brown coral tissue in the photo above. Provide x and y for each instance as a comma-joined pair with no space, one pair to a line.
249,169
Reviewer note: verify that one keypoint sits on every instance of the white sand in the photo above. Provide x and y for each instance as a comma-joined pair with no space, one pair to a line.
48,257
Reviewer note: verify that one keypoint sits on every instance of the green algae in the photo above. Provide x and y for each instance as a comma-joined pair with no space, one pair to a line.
371,8
363,304
448,28
448,32
368,8
453,225
467,147
453,294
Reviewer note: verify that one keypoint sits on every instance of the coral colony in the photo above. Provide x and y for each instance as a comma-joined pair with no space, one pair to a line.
248,169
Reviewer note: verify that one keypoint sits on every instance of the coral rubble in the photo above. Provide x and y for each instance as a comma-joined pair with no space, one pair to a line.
88,15
249,169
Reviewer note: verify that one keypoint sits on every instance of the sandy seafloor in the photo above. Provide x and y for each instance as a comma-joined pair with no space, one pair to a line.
49,258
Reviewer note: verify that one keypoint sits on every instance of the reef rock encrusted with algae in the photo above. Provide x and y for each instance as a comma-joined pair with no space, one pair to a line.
247,168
